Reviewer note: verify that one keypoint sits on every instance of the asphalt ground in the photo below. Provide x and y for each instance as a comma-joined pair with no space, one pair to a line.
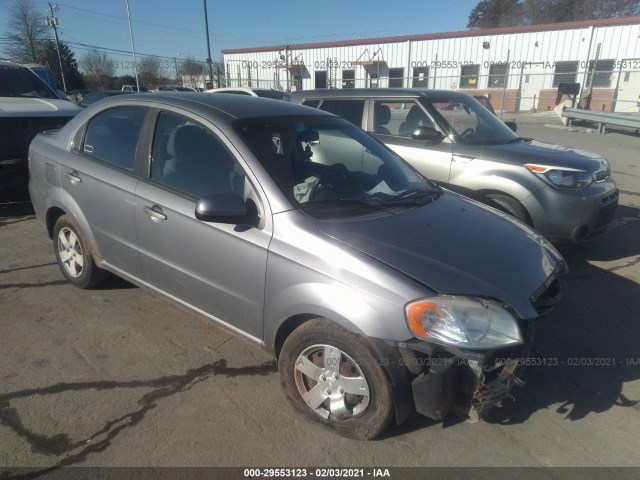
118,376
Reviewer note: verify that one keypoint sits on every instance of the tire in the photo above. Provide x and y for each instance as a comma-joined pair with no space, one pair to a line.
315,361
74,256
509,205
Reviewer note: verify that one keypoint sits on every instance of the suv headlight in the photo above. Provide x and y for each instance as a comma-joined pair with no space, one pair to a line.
562,177
471,323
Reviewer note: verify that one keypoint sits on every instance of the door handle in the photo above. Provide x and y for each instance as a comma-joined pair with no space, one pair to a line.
462,158
74,177
155,213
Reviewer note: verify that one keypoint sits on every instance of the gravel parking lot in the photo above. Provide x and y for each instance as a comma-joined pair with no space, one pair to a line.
120,377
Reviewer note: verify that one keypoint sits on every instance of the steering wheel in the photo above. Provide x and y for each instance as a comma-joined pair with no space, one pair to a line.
467,132
334,176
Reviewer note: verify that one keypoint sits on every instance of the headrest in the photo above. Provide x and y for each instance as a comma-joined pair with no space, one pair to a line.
383,114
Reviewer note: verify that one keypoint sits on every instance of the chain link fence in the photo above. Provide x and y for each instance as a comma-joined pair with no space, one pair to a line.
599,85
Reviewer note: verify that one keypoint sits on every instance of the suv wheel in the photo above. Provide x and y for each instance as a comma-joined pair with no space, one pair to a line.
332,376
509,205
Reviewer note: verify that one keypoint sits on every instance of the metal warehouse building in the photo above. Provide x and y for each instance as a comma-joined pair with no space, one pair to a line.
518,68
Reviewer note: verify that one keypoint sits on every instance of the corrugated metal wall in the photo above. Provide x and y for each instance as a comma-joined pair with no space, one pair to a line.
440,62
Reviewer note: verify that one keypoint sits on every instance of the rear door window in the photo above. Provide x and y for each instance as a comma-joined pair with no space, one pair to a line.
350,110
112,136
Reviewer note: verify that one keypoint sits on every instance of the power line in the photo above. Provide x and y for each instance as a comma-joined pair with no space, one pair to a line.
115,51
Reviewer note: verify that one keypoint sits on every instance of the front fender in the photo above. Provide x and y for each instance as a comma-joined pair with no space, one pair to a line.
294,290
485,176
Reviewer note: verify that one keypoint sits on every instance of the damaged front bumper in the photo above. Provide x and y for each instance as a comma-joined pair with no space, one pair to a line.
467,383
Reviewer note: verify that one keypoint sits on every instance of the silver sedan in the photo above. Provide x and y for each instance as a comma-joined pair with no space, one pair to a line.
378,292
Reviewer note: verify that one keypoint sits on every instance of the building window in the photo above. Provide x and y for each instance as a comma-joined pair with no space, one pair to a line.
373,80
565,73
348,78
600,73
469,76
297,82
396,77
420,77
497,75
321,79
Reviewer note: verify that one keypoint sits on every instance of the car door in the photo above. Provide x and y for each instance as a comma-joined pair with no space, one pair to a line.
462,120
393,121
216,268
99,177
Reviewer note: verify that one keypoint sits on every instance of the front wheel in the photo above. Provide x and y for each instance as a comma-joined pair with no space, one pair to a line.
331,375
511,206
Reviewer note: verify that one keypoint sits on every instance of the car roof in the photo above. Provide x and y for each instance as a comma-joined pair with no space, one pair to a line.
117,92
378,92
236,106
3,60
245,89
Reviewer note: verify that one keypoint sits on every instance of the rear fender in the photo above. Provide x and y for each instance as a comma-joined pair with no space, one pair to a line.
60,199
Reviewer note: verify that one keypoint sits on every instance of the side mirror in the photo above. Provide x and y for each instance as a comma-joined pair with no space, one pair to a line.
224,208
512,125
430,134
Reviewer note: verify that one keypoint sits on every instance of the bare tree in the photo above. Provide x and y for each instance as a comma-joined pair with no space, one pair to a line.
150,72
98,68
26,32
192,71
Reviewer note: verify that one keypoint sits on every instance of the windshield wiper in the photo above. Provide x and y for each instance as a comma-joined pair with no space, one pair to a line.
519,139
485,142
417,196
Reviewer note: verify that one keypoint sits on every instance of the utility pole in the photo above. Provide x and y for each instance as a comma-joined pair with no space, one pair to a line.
133,47
52,21
206,24
175,61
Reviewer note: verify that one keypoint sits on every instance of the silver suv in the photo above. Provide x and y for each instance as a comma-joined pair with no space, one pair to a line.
568,195
378,292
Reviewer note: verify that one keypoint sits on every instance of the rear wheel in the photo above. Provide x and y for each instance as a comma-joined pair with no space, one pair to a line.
331,375
510,205
73,255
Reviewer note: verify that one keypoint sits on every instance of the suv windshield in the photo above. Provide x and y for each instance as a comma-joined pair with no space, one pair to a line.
469,121
18,81
329,167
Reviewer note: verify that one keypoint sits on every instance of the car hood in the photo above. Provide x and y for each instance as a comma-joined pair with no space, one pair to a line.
456,246
36,107
533,151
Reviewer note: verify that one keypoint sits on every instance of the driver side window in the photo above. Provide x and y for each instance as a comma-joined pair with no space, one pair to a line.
189,158
459,116
399,117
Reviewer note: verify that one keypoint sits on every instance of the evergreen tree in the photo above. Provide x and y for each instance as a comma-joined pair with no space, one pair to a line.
49,58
